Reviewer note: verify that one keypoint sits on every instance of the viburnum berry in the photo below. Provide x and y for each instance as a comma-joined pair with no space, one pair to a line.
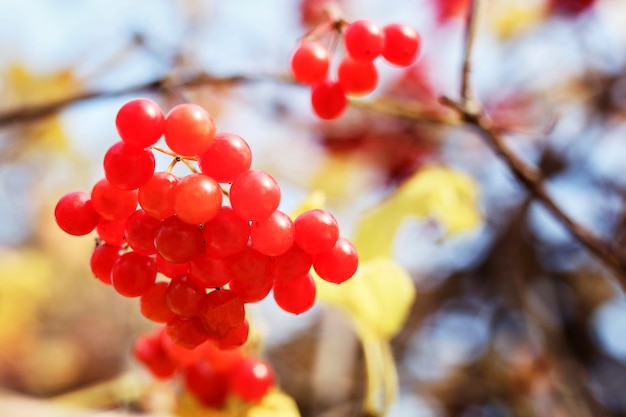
111,231
140,122
221,312
128,167
364,40
209,271
251,379
184,297
187,332
206,383
102,260
328,99
152,303
140,230
251,280
177,241
317,231
254,195
293,263
273,236
189,129
198,199
339,263
295,295
234,338
111,202
357,77
227,233
157,196
170,269
75,214
402,44
228,156
310,62
149,350
133,274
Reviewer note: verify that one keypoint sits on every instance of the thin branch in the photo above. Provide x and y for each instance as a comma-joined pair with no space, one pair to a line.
608,253
471,113
33,112
470,35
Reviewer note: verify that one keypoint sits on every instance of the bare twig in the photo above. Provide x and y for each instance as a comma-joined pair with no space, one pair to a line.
33,112
472,114
470,35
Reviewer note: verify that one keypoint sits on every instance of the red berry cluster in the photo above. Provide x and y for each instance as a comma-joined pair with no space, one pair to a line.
364,41
208,373
217,256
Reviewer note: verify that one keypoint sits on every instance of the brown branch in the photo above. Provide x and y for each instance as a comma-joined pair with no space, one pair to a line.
470,35
33,112
532,179
471,113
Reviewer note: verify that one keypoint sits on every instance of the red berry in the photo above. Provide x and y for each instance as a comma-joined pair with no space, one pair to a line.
293,263
133,274
177,241
254,195
228,156
227,233
148,350
140,122
339,263
206,383
357,77
402,44
251,379
295,295
186,332
75,213
140,230
251,280
171,269
111,202
221,312
234,338
328,99
363,40
317,231
128,167
184,297
111,231
189,130
102,260
198,199
273,236
209,271
153,306
156,196
310,62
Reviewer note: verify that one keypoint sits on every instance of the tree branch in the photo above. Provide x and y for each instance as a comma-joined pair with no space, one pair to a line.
33,112
471,113
470,35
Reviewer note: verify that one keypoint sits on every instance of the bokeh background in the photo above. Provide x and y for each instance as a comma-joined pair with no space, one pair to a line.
512,317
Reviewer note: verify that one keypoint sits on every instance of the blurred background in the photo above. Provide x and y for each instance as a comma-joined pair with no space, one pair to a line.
512,316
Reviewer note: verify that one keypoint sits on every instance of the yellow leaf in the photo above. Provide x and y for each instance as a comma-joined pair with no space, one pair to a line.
274,404
23,87
514,17
343,176
448,196
25,278
377,298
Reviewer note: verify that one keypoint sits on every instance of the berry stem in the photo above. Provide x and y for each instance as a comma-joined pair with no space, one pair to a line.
163,150
187,162
172,164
